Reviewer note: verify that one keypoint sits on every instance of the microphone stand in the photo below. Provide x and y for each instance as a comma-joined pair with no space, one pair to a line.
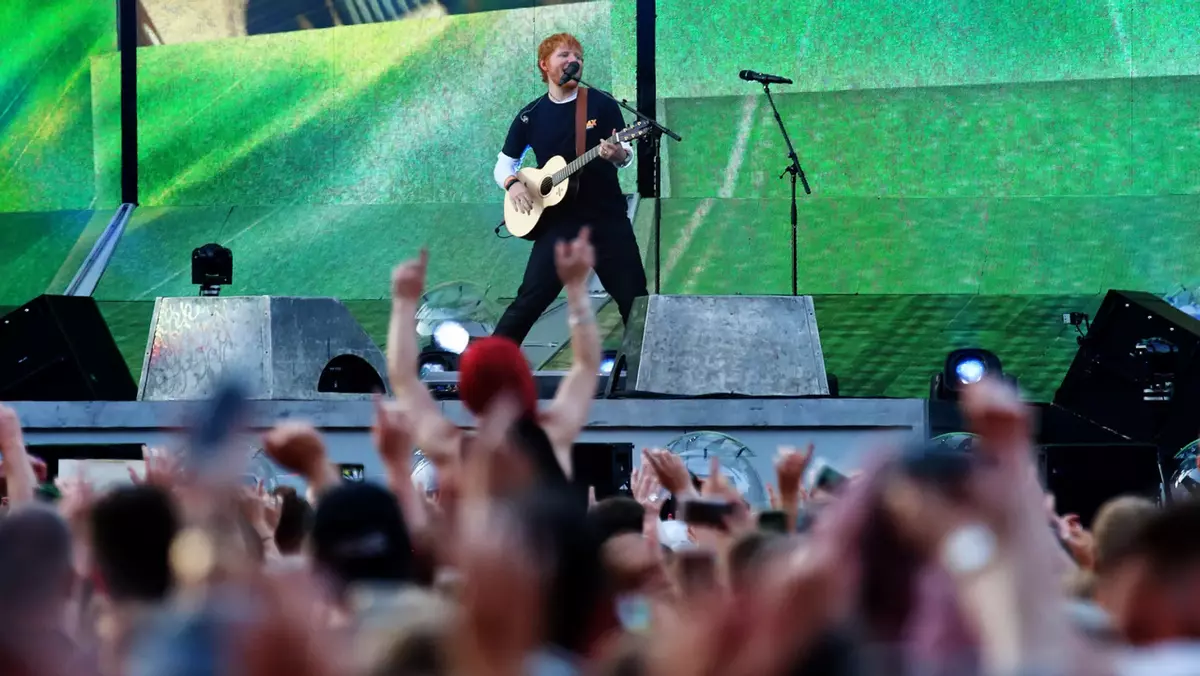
656,146
795,170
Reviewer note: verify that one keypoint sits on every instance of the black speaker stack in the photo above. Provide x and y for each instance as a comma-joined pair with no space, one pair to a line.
1134,386
606,468
58,348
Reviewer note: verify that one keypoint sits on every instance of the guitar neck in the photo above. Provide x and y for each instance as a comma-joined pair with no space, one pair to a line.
579,162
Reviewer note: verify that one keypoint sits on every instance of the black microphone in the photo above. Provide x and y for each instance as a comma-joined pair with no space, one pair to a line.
763,78
569,73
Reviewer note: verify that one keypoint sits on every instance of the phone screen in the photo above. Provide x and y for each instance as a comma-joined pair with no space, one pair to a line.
830,479
821,476
354,473
774,521
703,512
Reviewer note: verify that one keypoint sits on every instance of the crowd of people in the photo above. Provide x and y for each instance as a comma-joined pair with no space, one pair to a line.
927,561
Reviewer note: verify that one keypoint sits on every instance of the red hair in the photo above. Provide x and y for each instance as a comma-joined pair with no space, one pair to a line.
491,366
552,43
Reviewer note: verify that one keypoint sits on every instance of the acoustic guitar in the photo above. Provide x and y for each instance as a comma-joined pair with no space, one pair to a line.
548,184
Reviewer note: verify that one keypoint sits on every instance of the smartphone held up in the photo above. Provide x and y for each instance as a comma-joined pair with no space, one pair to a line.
705,512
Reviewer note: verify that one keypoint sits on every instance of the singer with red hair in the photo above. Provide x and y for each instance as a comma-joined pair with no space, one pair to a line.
548,126
495,365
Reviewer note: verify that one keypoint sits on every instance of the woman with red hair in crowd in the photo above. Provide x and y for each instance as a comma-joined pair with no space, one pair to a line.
496,365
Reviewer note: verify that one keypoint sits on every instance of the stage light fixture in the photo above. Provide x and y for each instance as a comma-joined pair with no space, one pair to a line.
963,368
969,371
212,268
433,360
451,336
607,361
451,315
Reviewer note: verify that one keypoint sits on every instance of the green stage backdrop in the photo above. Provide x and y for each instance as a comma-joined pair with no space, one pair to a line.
981,147
1000,149
47,130
52,129
999,146
398,112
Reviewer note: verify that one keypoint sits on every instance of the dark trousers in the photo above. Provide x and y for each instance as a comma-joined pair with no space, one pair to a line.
618,265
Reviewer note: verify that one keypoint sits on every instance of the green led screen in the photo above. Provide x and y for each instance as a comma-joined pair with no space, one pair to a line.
47,127
978,147
998,149
1000,146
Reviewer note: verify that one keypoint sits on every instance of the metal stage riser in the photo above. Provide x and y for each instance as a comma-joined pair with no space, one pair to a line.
843,430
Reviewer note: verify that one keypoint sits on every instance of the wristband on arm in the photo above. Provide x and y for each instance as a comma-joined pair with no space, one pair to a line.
508,183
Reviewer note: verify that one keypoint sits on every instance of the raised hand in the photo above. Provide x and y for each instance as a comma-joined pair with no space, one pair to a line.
646,487
393,436
1000,521
260,509
20,474
10,429
790,466
272,507
297,447
717,486
670,470
408,279
993,410
1078,540
575,259
162,468
773,498
76,503
392,433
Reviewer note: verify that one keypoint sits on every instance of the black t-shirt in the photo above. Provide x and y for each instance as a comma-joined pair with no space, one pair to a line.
549,128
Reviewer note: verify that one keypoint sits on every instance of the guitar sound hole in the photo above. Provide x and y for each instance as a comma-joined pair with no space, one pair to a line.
547,186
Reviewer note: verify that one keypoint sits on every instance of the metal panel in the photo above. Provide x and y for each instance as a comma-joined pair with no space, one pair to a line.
277,346
195,342
93,267
842,429
746,345
614,414
305,334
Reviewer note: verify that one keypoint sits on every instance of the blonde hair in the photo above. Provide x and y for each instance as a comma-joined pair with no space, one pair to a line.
1115,527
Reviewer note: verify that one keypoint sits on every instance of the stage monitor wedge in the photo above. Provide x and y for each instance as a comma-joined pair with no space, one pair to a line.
58,348
750,346
279,347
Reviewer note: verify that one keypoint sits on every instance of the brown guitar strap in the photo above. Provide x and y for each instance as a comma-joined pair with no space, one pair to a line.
580,125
